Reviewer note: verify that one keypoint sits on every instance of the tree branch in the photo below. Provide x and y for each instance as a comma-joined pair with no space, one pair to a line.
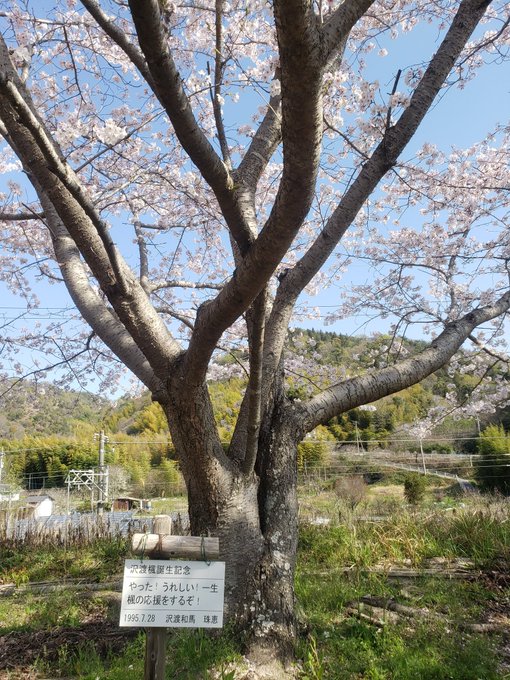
264,143
394,140
368,388
385,155
46,167
167,85
255,383
390,105
66,361
58,167
333,36
302,61
219,66
93,310
301,73
165,309
338,25
143,256
153,287
21,217
120,38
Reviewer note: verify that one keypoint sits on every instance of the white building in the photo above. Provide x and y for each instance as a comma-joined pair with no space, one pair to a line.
42,505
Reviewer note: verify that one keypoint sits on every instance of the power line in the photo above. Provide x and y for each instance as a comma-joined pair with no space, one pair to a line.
17,308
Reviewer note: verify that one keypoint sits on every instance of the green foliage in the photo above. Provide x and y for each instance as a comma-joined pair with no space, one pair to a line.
33,459
151,420
98,559
415,486
432,447
331,575
493,464
315,452
164,480
121,414
62,423
356,649
341,647
404,407
226,399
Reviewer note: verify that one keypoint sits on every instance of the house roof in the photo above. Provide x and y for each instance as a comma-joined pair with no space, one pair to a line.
38,499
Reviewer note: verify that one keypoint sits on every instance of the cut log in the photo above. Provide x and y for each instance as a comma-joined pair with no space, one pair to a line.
373,610
404,610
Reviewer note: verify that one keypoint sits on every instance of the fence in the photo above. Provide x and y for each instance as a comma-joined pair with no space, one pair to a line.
70,529
458,467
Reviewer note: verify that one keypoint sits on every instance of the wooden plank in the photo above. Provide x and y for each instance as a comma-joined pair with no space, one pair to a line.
191,547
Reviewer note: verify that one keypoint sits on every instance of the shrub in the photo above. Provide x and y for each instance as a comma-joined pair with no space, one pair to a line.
312,454
315,452
351,489
414,488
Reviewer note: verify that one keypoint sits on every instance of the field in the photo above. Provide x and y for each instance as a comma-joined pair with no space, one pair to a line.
386,590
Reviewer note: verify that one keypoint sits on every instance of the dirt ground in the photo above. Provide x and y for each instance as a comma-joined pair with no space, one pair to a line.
19,650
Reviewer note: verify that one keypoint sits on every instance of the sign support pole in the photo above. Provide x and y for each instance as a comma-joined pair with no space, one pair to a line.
159,592
155,643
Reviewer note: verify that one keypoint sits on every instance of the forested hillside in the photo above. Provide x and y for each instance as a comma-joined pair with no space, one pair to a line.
28,409
47,430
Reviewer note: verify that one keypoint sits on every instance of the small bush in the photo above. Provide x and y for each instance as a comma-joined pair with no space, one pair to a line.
351,489
414,488
312,454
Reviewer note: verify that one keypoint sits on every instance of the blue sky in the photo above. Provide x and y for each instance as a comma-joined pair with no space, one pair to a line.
459,118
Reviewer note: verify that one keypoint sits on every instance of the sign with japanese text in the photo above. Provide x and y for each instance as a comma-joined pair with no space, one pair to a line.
172,594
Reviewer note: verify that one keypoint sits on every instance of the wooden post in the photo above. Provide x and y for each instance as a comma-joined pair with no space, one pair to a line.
160,545
155,645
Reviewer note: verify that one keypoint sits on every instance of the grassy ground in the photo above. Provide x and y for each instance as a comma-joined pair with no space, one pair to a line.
75,635
340,646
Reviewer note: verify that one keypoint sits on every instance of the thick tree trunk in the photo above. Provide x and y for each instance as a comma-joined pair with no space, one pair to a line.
254,516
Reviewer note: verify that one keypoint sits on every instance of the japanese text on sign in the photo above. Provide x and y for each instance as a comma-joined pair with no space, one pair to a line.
172,594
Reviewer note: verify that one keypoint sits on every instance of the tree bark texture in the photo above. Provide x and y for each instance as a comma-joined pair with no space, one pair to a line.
254,516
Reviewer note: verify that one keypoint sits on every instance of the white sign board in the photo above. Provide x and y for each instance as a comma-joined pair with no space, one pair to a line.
172,594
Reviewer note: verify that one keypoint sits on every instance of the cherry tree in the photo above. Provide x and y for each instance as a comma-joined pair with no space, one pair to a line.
198,170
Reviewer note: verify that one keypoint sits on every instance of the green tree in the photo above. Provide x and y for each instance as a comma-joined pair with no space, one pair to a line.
414,488
493,464
151,420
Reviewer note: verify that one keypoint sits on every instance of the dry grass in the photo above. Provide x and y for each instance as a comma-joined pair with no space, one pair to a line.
390,490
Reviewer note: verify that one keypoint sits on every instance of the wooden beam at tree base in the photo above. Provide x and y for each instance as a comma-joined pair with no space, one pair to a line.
166,546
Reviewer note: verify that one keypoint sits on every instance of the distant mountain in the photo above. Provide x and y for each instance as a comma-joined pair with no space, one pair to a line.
41,409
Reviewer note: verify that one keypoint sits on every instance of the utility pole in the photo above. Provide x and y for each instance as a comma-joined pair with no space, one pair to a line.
423,457
2,454
103,490
358,446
